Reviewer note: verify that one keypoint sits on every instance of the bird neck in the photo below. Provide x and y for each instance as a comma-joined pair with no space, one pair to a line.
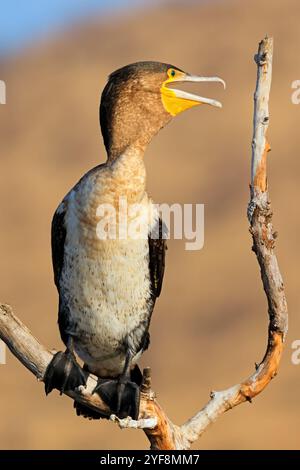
129,173
130,125
133,151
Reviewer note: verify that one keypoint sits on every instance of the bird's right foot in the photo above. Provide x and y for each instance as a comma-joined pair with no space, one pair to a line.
108,391
63,373
121,395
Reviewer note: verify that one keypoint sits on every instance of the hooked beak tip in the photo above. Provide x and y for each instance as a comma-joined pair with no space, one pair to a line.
196,78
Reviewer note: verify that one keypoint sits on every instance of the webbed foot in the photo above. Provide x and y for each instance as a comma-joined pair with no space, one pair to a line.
121,395
63,373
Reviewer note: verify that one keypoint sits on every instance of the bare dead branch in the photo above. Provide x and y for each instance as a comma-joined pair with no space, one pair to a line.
161,432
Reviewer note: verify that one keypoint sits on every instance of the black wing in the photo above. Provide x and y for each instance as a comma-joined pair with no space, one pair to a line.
58,236
157,251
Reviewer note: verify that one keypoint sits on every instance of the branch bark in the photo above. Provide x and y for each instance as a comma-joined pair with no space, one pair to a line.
161,432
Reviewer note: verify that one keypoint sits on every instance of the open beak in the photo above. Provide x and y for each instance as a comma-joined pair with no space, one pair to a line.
198,99
176,101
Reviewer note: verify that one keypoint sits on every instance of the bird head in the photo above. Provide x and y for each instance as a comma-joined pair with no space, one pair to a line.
139,99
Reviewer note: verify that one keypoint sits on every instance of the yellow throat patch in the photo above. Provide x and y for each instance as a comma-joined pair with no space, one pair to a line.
172,103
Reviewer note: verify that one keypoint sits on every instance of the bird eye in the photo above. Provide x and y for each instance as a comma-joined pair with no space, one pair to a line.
172,73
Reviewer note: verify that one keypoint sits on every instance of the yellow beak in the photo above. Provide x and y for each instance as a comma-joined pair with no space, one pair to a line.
175,101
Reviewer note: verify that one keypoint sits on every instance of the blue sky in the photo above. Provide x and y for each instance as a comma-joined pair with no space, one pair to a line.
21,21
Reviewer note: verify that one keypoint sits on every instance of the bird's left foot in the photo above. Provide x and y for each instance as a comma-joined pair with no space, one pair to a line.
63,373
121,395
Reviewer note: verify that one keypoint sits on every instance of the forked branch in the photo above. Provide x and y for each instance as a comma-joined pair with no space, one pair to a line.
161,432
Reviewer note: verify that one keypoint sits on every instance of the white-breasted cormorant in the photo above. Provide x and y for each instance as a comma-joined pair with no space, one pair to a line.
107,287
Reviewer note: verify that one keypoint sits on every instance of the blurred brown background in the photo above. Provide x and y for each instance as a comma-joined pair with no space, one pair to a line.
210,323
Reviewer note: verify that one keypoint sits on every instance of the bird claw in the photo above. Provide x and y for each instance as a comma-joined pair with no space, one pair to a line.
123,398
63,373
